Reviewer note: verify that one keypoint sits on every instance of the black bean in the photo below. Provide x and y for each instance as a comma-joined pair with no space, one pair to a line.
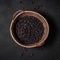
28,29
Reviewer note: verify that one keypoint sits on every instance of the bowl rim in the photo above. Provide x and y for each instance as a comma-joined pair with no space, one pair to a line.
45,35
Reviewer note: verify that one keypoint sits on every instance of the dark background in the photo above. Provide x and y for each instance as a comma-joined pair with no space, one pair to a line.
50,9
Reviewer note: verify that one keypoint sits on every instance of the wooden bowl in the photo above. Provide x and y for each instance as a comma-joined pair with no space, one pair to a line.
37,15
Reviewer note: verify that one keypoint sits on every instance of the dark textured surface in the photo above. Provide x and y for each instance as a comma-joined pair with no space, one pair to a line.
28,30
50,9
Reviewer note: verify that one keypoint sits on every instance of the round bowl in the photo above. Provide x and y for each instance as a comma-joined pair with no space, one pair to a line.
37,15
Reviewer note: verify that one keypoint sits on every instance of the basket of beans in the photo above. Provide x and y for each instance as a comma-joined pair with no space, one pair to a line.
29,29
